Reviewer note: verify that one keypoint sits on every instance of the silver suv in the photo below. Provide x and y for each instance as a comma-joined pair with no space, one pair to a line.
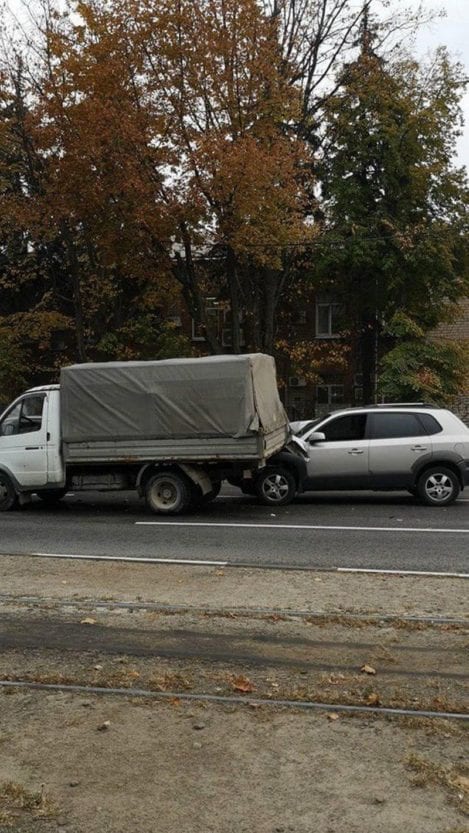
416,447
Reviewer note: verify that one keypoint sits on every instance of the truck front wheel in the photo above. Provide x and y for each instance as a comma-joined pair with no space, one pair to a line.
8,496
275,486
168,493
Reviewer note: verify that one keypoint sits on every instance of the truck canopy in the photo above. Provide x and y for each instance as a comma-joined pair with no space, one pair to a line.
212,397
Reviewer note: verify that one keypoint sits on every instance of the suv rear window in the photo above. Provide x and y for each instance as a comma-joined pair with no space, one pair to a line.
392,425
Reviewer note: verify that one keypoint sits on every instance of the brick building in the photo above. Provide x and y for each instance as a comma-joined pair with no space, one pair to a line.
458,330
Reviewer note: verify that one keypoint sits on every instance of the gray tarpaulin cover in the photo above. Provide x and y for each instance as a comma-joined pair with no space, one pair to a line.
208,397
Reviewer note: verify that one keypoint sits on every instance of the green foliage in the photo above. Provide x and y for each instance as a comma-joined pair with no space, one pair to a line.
33,345
13,368
419,369
144,337
395,209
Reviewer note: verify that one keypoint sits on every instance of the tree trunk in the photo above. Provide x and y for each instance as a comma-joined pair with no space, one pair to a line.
369,361
233,285
75,273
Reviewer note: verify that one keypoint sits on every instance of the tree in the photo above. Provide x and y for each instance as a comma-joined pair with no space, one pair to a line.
434,370
395,209
215,69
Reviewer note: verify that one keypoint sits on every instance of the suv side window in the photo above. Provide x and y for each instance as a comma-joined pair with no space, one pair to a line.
394,425
348,427
24,417
431,425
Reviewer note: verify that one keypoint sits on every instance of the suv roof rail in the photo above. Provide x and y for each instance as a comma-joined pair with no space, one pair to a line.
405,405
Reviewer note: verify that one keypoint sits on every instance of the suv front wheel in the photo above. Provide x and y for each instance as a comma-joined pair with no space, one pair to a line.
438,486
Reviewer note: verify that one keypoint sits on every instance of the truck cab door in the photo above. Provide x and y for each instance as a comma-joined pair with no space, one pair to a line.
23,440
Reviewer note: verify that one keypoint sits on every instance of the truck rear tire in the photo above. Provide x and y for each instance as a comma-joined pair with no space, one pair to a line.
275,486
168,493
8,496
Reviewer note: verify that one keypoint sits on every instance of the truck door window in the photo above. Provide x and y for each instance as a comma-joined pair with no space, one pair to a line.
24,417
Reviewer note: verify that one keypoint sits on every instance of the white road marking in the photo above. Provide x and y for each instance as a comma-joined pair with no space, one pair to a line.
138,560
304,526
400,572
243,565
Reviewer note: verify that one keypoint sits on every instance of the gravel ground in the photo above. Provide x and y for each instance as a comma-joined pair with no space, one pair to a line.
85,763
179,768
234,587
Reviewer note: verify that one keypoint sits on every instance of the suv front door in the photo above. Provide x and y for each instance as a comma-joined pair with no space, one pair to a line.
341,460
397,441
23,440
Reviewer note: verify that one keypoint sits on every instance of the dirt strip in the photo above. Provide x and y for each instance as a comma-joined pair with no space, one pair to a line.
215,587
97,763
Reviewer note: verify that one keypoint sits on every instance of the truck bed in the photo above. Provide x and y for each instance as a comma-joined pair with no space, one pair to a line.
254,448
214,408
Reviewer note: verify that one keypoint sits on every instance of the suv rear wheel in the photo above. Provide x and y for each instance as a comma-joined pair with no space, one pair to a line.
438,486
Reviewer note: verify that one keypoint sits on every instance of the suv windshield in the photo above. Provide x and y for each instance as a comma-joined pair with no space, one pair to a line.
308,427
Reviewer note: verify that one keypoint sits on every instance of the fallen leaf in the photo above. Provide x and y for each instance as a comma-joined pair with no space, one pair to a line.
88,621
175,701
461,782
373,699
368,669
104,726
242,684
332,716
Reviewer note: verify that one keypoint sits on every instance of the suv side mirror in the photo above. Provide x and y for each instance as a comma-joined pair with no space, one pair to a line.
316,437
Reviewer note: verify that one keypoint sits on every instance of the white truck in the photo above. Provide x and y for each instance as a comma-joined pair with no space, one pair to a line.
173,430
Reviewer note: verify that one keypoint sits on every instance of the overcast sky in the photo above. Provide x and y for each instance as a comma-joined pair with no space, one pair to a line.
453,32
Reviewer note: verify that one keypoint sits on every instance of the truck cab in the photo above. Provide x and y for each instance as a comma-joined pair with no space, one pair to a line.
30,441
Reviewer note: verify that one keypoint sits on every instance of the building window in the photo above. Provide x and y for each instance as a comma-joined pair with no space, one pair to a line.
329,394
327,319
214,316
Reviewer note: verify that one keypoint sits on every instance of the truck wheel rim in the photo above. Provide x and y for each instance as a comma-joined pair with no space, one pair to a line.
164,494
439,487
275,487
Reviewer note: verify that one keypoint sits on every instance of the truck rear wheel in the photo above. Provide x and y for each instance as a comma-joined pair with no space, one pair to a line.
275,486
168,493
8,496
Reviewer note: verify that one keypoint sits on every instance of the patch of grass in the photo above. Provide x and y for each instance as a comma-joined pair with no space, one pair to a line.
169,682
18,803
455,780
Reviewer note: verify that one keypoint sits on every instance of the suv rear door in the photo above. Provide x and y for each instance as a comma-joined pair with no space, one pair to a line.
398,440
341,460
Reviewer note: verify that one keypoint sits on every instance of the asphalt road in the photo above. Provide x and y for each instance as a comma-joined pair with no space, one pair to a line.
360,530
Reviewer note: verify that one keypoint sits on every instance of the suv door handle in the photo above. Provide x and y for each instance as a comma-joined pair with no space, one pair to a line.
419,448
356,451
